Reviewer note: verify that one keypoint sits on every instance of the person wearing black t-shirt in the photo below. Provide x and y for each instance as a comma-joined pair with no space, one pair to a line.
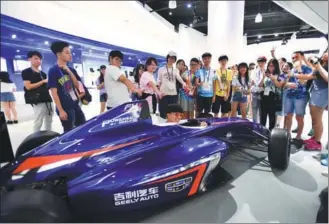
36,92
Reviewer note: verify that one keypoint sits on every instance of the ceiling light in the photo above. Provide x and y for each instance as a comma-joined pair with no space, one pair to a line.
13,36
73,53
191,24
129,58
259,36
258,18
18,51
170,13
46,42
276,34
71,47
172,4
189,5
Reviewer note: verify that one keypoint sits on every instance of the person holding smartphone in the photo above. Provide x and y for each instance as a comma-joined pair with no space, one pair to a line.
241,85
318,100
272,83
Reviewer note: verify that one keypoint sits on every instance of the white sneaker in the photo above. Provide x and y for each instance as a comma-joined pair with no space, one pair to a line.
325,173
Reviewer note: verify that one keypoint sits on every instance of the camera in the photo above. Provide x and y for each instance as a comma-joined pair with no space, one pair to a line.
314,60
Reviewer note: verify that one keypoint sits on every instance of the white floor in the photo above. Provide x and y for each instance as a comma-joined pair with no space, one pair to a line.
255,194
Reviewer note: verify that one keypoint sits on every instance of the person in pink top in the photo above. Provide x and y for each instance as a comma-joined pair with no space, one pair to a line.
147,82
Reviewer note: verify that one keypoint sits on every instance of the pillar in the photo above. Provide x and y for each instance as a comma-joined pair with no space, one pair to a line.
225,30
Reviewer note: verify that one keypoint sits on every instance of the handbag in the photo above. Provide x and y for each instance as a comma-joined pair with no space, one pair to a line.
32,96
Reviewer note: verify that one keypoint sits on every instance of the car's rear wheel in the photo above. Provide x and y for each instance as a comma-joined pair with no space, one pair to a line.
279,149
30,205
34,140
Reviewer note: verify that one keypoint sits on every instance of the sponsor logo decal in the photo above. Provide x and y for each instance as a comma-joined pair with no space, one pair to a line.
132,197
178,185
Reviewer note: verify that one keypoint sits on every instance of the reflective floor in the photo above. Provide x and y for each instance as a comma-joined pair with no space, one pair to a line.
249,191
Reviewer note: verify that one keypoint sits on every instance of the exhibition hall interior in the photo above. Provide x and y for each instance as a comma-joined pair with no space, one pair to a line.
170,111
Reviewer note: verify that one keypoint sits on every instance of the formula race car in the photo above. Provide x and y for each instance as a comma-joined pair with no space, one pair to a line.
120,161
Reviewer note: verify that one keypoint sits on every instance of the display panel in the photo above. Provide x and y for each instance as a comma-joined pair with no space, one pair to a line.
3,65
20,65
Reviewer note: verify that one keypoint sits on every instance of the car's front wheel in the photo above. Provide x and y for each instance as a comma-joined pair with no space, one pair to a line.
279,149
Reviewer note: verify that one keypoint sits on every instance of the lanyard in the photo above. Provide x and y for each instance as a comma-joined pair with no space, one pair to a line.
39,73
170,76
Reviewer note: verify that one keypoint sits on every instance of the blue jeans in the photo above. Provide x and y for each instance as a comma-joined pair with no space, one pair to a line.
319,98
75,117
295,106
256,107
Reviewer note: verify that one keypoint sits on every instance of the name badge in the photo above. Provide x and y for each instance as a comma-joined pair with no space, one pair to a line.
73,96
267,91
206,86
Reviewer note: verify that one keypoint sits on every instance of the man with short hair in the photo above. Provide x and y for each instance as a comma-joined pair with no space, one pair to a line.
167,76
36,92
116,83
297,97
205,81
256,91
63,85
223,87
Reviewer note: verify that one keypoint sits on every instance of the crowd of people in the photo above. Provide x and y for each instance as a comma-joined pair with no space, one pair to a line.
266,92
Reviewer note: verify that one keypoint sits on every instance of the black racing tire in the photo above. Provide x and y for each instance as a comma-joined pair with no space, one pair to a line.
279,149
34,140
33,206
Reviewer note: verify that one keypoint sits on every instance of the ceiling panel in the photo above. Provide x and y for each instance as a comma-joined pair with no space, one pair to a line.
276,20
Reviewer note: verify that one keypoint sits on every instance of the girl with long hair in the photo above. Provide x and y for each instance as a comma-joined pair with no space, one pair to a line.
138,71
147,81
101,88
270,103
241,85
7,98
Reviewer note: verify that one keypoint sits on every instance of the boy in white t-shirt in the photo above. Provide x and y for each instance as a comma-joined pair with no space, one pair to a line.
116,84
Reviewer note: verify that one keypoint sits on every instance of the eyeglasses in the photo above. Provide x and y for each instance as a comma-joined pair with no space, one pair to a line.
193,64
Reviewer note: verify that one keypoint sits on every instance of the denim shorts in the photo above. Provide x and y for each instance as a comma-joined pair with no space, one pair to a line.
238,97
295,106
103,97
319,98
7,97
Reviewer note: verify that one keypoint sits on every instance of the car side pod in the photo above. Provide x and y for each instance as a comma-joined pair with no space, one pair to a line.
279,148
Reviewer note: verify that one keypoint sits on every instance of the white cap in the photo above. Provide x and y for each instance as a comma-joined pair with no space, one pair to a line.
172,54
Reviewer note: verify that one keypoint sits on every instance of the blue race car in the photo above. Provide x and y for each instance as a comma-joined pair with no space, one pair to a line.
121,161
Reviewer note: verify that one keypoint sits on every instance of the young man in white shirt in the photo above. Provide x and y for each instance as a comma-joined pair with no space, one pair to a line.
116,84
256,78
167,76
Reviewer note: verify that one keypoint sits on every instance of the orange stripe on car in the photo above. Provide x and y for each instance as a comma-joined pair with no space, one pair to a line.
35,162
200,169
